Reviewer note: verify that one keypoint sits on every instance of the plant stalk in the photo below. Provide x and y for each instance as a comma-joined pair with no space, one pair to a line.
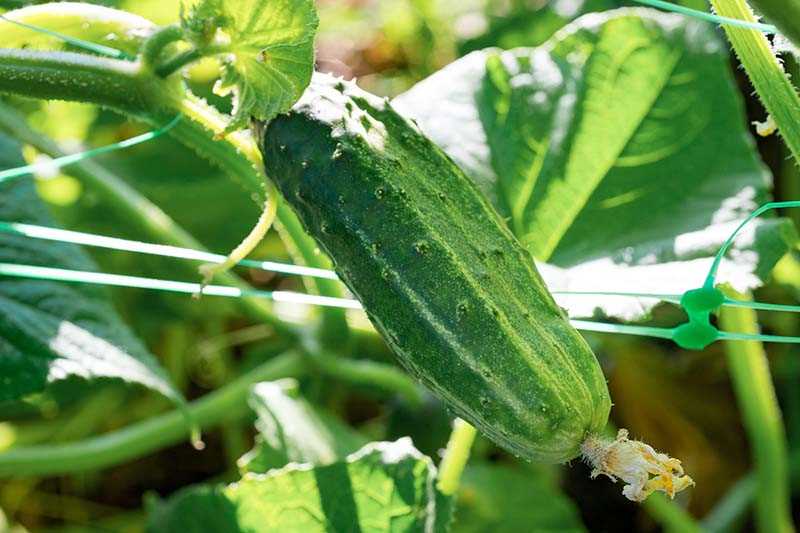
111,83
130,205
672,517
178,61
732,507
368,373
154,46
128,88
752,383
455,457
771,83
139,439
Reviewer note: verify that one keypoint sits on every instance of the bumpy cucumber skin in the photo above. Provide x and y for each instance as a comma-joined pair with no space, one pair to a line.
440,276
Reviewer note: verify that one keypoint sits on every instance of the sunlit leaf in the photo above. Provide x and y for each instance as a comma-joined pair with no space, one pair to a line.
51,331
385,486
292,430
268,48
617,151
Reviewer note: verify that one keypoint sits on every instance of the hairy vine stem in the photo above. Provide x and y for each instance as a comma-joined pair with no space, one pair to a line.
131,87
111,83
153,47
766,73
178,61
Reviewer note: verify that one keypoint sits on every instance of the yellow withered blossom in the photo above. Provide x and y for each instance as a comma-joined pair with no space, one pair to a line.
766,128
643,469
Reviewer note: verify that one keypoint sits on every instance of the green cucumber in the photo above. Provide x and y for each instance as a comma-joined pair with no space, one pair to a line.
440,276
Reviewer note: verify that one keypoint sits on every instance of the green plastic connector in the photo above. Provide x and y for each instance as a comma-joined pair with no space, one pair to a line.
695,335
700,302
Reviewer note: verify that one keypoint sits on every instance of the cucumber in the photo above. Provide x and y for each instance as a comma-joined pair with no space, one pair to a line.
440,276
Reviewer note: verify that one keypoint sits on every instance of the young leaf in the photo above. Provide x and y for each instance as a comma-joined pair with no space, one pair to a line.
290,430
52,331
385,486
608,155
267,48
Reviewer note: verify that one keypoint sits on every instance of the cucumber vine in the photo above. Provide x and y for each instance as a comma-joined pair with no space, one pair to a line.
275,61
502,354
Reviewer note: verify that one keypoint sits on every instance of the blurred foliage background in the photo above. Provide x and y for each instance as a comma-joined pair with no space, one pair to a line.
682,401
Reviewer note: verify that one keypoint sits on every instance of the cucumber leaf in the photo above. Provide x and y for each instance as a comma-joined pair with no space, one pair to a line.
290,430
267,48
385,486
617,151
504,500
52,332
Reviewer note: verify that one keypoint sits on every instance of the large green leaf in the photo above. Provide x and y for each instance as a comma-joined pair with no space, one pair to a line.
268,46
617,151
503,500
384,487
291,430
52,331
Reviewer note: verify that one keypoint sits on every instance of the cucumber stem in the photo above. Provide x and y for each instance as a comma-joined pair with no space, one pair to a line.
179,61
139,439
770,81
129,88
81,77
672,517
128,204
731,508
253,239
752,383
455,457
154,46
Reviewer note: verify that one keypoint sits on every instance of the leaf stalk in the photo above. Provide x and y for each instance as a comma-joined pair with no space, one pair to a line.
752,382
765,71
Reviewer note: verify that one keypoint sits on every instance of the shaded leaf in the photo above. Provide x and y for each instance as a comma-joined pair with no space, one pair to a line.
385,486
51,331
531,25
609,157
268,49
290,430
499,499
